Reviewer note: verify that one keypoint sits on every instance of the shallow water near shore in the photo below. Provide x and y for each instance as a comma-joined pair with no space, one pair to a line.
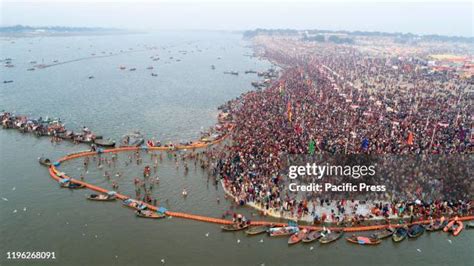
176,105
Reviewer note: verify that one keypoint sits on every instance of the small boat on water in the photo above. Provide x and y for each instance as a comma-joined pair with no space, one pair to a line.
102,197
331,237
234,227
312,236
134,204
7,81
470,225
70,185
44,161
132,69
134,139
416,230
400,234
256,230
105,142
154,75
382,234
363,240
283,231
437,225
150,67
84,139
68,135
297,237
235,73
149,214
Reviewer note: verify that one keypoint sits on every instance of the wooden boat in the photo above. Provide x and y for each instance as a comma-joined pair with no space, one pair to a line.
69,135
149,214
382,234
232,73
71,185
105,142
234,227
331,237
400,234
297,237
102,197
436,226
312,236
416,230
256,230
134,204
457,228
470,225
283,231
362,240
134,139
44,161
85,140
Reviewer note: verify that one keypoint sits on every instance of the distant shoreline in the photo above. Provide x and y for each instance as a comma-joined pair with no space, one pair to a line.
65,34
20,31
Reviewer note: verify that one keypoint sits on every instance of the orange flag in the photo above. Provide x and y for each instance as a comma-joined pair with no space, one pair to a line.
288,109
410,138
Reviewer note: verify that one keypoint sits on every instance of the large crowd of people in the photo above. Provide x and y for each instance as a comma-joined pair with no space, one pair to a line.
331,99
334,99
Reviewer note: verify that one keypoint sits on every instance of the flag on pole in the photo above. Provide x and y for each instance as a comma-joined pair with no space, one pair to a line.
365,144
281,88
311,147
410,138
289,112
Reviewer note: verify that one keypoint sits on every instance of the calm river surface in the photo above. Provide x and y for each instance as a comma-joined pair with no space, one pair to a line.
36,215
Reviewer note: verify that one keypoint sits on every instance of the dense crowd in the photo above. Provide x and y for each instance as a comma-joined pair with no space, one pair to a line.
336,100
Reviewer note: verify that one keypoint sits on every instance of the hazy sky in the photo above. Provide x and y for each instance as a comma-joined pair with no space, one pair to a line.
438,17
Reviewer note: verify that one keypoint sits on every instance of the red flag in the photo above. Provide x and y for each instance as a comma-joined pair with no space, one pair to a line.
410,138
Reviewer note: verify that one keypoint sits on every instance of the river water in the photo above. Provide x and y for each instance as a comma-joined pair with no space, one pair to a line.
36,215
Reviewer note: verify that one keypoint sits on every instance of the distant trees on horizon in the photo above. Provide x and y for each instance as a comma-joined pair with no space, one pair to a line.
335,35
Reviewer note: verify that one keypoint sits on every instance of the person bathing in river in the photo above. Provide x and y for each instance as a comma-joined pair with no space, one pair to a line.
147,171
